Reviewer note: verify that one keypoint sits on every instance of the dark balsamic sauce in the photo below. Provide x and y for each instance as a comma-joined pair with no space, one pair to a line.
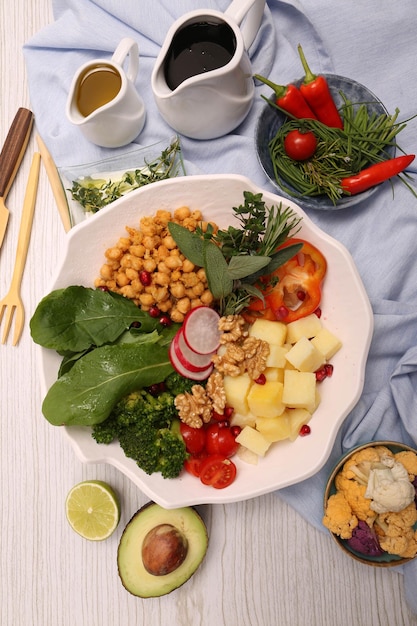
198,48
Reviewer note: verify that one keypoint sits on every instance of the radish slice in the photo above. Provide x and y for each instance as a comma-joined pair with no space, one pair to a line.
201,330
189,359
179,367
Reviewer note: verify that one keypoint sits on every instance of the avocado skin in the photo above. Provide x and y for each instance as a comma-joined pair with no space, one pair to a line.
132,572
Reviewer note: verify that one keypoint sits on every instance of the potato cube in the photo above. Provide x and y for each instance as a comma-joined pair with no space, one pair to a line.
275,429
305,356
273,332
253,440
307,326
327,343
275,374
296,419
266,400
299,389
276,356
247,456
236,389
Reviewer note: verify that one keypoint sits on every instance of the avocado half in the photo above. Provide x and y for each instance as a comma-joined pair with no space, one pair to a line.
160,549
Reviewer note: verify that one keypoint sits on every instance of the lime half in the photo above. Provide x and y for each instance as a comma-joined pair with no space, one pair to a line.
93,509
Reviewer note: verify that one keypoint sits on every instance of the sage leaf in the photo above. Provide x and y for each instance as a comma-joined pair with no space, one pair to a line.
243,265
190,244
87,393
218,279
75,318
282,256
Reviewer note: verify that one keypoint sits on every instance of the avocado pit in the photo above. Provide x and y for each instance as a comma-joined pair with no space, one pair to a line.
163,550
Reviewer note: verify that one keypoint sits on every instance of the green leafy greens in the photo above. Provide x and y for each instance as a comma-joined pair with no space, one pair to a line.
235,259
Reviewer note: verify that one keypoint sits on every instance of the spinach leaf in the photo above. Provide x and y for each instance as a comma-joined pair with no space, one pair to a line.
86,394
75,318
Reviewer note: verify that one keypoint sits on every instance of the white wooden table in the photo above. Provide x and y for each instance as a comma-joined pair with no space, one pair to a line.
265,565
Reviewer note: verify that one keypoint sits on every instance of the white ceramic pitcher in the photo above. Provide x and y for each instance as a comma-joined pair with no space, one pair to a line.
110,113
207,101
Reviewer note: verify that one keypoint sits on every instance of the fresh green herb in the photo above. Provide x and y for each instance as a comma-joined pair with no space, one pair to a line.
235,259
95,193
364,140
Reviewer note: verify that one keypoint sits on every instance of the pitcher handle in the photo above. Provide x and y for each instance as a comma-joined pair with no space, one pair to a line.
253,10
128,47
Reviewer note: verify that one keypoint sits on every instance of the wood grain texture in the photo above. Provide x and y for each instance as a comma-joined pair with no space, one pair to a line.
265,565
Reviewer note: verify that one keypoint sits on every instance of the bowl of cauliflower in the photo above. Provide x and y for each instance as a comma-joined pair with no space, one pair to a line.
370,503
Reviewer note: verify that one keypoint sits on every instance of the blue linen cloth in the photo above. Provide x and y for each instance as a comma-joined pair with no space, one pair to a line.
374,43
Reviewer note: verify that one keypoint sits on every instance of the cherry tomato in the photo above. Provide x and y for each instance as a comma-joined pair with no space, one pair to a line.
220,440
217,471
194,438
299,145
194,462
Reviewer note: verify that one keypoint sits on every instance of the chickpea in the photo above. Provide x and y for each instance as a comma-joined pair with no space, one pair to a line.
113,254
162,252
136,236
149,265
146,299
182,213
202,274
177,290
184,305
169,242
160,294
206,297
176,276
128,292
187,266
163,268
106,272
165,306
148,226
121,279
163,217
137,286
173,262
150,242
123,243
138,250
131,273
195,302
198,288
176,316
162,278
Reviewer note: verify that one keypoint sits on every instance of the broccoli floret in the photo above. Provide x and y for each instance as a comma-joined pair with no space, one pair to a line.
176,384
154,449
146,425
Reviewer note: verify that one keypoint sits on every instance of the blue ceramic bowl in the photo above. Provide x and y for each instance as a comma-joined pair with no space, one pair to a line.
385,560
271,119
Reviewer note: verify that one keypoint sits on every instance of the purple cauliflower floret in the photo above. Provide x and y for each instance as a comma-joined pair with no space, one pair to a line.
364,540
415,487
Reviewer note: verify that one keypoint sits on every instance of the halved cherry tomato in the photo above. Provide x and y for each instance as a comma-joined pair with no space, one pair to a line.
194,438
194,462
217,471
220,440
298,290
300,145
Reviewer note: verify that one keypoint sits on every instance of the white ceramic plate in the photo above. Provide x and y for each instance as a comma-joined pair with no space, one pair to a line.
346,312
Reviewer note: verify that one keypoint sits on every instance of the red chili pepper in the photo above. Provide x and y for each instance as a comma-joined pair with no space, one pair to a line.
375,174
298,291
317,94
290,99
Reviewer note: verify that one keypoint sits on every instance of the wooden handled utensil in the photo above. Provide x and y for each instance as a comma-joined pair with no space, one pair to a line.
10,158
12,303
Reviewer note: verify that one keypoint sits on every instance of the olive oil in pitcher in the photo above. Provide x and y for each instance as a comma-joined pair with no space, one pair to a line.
96,87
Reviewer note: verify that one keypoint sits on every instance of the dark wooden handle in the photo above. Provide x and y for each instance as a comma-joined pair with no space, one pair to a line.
14,148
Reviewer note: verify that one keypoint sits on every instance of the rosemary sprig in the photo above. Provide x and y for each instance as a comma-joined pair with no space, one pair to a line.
235,259
94,193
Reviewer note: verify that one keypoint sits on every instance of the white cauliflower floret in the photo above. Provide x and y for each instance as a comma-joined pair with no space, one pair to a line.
389,487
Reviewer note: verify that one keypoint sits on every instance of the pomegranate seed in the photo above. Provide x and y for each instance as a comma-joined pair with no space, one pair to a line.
103,288
235,430
228,411
145,278
154,311
305,430
318,312
321,374
135,325
301,295
329,369
261,380
218,417
223,424
165,320
281,313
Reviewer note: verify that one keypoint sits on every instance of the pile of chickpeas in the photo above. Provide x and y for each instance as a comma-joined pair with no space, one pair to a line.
148,267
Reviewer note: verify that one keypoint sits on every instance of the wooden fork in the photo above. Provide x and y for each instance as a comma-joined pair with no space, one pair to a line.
12,302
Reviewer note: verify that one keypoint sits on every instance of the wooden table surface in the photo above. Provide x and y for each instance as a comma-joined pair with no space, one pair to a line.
266,566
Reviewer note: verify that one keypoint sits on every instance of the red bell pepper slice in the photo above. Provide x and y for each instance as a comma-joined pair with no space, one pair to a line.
298,290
